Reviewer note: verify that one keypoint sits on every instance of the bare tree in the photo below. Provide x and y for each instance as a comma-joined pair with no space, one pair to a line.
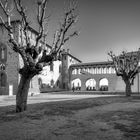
33,63
127,66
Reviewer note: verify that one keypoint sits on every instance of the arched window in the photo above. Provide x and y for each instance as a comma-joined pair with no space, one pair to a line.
3,79
39,81
2,67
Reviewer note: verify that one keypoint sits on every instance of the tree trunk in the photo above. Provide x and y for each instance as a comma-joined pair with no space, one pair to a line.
22,93
128,88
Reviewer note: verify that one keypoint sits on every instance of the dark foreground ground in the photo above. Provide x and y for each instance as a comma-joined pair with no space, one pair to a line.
107,118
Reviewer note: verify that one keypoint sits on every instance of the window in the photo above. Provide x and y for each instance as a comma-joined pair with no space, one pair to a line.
3,52
52,82
58,83
64,86
60,69
3,79
51,67
2,67
31,83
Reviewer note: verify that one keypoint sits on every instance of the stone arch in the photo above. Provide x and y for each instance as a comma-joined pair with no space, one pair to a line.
103,84
90,84
76,84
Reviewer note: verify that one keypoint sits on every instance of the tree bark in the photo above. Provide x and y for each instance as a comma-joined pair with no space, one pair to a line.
128,88
22,93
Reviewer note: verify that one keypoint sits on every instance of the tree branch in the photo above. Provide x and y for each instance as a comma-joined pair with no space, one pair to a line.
40,19
25,23
60,36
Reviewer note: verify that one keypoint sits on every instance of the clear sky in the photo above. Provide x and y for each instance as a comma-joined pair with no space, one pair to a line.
104,25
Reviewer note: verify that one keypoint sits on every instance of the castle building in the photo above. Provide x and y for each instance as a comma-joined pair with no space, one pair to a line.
10,62
98,76
55,77
67,73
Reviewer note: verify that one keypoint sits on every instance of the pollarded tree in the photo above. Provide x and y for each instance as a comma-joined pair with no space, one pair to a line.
127,66
31,55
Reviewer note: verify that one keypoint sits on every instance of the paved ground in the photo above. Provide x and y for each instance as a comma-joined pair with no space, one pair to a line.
47,97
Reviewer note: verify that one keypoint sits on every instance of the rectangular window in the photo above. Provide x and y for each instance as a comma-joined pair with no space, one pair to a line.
60,69
51,67
3,80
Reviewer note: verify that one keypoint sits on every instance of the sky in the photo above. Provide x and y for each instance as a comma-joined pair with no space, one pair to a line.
104,25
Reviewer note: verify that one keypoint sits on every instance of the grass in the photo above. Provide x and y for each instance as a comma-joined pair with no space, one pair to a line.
57,120
57,108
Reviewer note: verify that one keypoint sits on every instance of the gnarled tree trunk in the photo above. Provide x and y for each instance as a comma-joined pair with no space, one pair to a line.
22,93
128,88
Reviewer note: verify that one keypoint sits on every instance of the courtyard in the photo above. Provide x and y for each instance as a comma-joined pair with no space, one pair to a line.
66,117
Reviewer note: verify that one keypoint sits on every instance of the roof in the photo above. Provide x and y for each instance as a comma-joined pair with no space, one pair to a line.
19,21
74,57
49,46
93,63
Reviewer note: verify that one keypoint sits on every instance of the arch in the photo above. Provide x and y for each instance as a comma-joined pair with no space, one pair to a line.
76,84
105,70
109,70
91,84
99,70
103,84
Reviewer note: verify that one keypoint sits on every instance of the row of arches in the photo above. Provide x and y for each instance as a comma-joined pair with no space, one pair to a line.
91,84
94,70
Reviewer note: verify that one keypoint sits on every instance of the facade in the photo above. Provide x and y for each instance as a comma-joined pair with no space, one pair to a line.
10,61
98,76
55,77
67,73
